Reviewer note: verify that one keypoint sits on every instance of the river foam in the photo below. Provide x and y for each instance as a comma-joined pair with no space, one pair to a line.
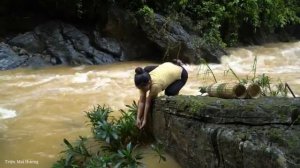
7,113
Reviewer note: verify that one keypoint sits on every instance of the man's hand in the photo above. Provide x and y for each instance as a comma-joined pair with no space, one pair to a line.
143,124
138,123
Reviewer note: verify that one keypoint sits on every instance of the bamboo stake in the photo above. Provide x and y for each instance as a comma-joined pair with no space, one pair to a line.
287,86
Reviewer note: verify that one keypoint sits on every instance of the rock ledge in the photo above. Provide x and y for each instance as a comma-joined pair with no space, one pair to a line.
213,132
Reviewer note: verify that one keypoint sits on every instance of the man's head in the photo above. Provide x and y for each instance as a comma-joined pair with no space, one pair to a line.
142,79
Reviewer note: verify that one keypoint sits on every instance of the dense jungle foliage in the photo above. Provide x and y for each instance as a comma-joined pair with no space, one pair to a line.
225,22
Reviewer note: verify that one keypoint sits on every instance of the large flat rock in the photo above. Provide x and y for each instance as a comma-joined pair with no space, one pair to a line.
213,132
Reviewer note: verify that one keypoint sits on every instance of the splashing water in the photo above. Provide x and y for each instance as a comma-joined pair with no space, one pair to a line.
6,113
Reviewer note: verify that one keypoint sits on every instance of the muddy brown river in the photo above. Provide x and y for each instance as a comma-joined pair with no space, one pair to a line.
40,107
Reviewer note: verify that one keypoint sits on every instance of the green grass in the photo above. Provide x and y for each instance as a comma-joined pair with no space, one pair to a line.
268,87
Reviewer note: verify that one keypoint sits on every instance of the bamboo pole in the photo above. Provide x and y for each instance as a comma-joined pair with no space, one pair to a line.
287,86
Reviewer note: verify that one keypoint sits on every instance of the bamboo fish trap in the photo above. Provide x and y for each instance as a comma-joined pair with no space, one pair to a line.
253,90
226,90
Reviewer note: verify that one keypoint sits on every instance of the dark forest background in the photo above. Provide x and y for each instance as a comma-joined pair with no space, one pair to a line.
222,22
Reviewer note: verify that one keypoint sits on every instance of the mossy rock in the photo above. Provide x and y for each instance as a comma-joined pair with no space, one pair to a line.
248,111
214,132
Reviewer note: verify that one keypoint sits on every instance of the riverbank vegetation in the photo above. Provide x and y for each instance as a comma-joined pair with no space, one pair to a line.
264,81
114,142
225,23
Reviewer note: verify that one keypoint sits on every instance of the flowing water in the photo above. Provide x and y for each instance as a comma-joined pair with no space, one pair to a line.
38,108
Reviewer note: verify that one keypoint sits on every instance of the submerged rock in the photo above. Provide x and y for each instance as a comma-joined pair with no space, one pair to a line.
213,132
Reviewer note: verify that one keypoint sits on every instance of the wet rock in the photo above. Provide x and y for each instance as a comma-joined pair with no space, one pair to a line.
29,41
171,37
214,132
123,38
54,41
63,42
9,59
68,45
81,43
294,31
108,44
123,26
36,61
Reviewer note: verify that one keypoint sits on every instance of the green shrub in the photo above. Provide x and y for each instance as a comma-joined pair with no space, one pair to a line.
220,22
117,142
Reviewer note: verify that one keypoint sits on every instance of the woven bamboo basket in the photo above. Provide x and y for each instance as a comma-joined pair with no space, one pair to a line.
227,90
253,91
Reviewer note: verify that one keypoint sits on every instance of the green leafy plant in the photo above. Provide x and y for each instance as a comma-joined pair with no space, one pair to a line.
146,11
99,113
127,158
75,154
159,149
280,90
227,22
98,161
118,139
106,131
264,82
127,128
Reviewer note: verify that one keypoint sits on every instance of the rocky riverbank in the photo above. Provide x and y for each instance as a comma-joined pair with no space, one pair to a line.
124,37
213,132
38,33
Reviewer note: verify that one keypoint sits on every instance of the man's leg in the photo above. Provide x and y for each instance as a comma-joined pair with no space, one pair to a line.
174,88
